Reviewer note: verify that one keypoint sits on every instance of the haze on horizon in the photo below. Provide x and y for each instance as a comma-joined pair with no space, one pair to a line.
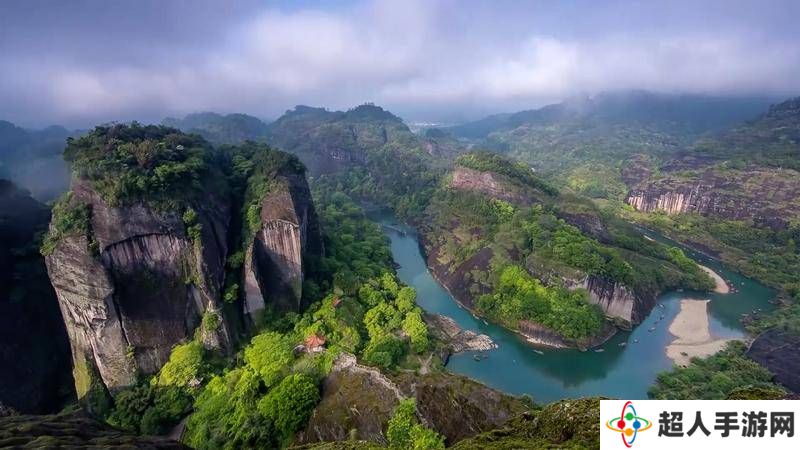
83,62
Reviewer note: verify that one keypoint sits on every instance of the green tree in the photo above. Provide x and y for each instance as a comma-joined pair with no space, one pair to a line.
406,299
416,330
423,438
290,403
384,351
270,355
399,428
405,432
383,318
186,363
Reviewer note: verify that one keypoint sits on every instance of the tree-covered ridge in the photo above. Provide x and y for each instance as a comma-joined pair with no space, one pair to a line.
366,152
130,163
772,139
519,172
516,260
221,129
728,374
517,296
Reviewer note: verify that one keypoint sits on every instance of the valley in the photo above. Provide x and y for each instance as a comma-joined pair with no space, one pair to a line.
625,368
246,273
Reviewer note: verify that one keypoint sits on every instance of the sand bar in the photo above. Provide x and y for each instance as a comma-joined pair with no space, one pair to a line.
692,336
721,287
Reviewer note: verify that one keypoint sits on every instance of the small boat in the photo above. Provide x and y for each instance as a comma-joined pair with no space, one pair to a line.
476,357
652,329
599,350
622,344
538,352
636,341
484,322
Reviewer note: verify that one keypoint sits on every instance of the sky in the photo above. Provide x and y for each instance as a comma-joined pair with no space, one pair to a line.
81,62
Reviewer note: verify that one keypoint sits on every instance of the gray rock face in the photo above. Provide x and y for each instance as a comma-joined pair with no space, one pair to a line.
144,289
766,195
289,234
617,300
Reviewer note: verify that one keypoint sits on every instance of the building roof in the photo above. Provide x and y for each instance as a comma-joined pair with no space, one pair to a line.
314,341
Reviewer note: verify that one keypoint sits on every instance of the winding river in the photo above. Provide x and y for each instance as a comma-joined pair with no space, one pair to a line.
622,371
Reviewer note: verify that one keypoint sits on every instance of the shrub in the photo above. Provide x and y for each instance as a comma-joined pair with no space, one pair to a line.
69,218
405,432
186,362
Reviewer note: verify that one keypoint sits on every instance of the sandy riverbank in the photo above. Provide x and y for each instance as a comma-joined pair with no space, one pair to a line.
721,287
692,336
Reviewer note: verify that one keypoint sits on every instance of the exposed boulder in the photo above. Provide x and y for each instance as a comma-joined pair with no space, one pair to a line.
72,430
358,401
287,235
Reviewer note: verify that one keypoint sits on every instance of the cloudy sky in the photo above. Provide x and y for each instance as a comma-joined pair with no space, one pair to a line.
81,62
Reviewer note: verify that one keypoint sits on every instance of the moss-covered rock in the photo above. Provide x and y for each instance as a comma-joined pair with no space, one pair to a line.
564,424
72,430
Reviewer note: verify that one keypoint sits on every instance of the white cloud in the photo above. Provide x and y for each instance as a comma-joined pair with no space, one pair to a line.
402,54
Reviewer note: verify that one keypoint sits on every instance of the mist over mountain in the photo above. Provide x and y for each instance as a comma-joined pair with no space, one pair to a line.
689,114
32,158
384,224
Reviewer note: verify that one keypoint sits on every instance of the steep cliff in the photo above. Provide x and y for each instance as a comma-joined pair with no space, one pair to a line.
616,299
749,172
281,237
134,276
764,195
288,234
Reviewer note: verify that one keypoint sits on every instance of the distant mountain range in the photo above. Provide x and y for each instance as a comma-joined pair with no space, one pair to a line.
607,128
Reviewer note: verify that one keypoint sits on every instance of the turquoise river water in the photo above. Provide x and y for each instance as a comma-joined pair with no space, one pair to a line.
619,371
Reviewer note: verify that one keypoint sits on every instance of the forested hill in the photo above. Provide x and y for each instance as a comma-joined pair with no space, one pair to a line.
772,139
684,113
366,151
328,141
608,128
220,129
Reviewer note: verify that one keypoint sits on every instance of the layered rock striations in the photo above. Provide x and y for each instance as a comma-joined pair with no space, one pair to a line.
763,195
616,300
749,172
135,284
139,251
288,235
